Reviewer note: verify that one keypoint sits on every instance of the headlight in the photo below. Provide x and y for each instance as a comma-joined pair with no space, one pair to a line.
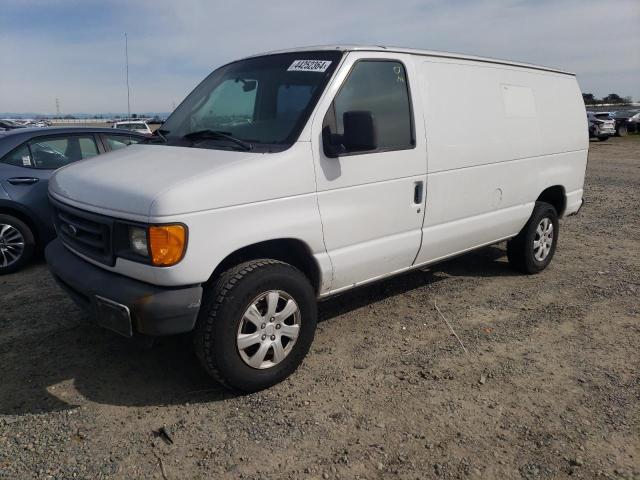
138,241
159,245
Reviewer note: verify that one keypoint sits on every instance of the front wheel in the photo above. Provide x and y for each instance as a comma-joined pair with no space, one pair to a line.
603,138
256,324
17,244
532,249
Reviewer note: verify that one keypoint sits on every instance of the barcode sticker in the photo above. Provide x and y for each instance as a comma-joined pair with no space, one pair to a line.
309,66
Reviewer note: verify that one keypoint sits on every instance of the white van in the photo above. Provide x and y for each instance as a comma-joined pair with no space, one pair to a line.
288,177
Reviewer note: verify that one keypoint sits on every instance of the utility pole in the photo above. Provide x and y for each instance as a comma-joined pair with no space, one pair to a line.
57,107
126,56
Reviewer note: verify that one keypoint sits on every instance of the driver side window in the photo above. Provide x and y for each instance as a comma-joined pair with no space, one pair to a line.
378,87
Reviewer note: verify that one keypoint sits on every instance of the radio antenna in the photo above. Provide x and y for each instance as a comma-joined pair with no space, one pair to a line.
126,56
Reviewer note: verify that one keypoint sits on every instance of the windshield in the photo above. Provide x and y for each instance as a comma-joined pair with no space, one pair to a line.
264,101
625,113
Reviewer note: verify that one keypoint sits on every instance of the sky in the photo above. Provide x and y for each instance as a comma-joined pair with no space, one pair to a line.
74,50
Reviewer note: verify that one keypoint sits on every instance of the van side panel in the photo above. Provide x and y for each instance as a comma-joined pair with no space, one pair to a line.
497,136
473,118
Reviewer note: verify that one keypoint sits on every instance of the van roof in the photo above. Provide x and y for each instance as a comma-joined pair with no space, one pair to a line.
414,51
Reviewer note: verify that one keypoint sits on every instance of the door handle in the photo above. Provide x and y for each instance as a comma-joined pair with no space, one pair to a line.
22,180
417,193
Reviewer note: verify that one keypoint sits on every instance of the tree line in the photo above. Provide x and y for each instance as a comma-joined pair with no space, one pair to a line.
612,98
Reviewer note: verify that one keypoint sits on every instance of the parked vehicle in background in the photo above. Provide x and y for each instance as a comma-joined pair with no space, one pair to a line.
293,176
36,123
28,157
601,125
627,121
138,127
9,125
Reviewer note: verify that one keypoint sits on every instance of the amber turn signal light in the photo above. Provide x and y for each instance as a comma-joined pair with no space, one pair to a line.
167,244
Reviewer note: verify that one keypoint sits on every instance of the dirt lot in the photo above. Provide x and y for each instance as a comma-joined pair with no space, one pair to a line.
550,387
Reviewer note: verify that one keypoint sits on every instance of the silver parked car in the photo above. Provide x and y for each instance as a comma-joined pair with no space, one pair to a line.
601,125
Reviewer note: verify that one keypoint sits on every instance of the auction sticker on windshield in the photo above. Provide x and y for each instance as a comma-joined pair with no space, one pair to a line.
309,66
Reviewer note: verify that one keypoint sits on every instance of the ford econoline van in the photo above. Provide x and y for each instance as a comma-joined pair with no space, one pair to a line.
288,177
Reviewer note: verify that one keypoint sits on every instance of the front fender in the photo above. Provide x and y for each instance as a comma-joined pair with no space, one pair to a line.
4,195
44,232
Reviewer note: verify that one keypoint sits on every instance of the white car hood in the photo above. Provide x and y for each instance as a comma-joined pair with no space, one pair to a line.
143,181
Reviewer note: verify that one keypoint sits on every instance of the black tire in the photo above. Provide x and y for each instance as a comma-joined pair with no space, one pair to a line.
520,249
622,131
9,263
224,304
603,138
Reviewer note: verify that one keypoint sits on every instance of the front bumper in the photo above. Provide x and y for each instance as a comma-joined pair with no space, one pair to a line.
122,304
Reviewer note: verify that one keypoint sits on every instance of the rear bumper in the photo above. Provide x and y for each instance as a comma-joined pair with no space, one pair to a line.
120,303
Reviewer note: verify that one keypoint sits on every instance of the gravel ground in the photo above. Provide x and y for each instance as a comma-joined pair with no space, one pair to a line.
550,387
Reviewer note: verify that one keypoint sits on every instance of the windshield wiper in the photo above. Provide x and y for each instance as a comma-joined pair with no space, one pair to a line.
157,134
160,132
216,134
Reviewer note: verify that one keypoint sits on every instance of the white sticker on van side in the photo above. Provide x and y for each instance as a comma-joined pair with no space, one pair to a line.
309,66
519,101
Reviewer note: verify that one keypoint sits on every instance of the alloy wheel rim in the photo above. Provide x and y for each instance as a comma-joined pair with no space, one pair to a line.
269,329
543,240
11,245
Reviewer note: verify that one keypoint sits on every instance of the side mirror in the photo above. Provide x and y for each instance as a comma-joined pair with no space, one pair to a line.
359,131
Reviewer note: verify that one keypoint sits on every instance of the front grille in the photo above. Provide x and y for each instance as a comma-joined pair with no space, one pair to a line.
87,233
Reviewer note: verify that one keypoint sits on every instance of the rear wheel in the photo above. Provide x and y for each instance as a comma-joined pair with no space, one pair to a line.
533,248
622,131
17,244
256,324
603,138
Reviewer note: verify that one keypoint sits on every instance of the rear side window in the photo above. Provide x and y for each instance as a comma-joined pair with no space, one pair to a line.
20,157
381,88
53,152
116,142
